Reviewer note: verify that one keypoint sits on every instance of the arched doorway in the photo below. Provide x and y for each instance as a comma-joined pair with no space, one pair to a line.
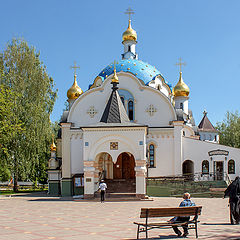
104,165
124,167
188,168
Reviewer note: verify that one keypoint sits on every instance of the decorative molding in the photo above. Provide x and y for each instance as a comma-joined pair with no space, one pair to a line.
151,110
92,111
76,136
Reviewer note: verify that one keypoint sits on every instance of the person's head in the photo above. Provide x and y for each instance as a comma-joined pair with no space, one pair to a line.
186,195
237,178
102,181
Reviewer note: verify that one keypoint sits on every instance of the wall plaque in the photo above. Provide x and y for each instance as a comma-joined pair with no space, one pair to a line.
113,145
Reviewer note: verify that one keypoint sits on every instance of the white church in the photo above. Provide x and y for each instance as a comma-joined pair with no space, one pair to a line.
131,124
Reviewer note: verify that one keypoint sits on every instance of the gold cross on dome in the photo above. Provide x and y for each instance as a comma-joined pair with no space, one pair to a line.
114,64
129,11
75,67
180,64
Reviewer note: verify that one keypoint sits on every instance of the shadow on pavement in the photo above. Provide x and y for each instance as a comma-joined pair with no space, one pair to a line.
216,224
157,238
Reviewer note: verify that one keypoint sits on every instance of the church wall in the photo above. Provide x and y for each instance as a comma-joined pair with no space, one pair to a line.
143,98
93,100
128,141
164,153
197,151
210,136
187,131
76,155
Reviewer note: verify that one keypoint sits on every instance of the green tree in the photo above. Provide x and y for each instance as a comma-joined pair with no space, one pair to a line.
10,127
229,130
25,74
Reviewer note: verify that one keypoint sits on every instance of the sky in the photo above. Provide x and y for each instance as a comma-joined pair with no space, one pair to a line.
204,33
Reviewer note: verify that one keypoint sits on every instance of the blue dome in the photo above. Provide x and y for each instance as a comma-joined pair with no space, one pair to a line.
140,69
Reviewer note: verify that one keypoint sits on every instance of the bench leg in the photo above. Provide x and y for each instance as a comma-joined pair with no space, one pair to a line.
138,232
196,230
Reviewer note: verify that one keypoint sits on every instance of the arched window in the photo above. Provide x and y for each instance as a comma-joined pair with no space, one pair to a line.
231,167
181,106
205,167
151,155
130,110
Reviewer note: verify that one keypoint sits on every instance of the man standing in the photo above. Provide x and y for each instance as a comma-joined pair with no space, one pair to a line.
102,187
185,203
233,192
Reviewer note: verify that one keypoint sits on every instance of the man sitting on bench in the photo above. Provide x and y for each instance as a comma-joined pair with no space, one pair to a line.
185,203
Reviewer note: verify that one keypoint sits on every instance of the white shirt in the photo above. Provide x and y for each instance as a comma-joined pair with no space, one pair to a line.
103,186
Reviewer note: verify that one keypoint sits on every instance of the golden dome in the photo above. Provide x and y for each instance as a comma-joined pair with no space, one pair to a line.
115,77
53,146
74,91
181,89
129,34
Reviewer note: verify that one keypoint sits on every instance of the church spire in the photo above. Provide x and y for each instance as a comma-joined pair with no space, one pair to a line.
114,111
129,39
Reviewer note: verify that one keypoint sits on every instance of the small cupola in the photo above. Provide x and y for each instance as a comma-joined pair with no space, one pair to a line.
130,34
181,89
74,91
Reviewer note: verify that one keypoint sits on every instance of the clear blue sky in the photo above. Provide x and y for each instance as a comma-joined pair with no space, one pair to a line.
206,34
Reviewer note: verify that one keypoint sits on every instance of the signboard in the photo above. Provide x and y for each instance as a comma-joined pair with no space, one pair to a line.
218,152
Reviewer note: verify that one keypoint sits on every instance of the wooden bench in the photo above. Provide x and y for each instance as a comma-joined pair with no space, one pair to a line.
168,212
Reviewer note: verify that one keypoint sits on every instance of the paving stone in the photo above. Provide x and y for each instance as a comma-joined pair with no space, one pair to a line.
41,218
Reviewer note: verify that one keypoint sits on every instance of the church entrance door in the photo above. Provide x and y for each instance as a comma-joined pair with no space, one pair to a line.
218,170
124,167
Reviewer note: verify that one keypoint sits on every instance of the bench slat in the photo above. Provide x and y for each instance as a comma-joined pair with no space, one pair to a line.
169,212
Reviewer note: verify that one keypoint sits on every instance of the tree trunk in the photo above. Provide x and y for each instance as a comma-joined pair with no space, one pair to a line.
15,182
15,185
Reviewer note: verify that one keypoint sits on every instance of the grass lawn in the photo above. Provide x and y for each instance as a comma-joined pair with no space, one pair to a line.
9,191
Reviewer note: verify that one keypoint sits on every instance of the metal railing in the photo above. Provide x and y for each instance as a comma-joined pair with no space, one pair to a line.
211,176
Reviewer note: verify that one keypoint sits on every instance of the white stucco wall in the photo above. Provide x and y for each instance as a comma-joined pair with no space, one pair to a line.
128,141
76,154
197,151
163,140
144,96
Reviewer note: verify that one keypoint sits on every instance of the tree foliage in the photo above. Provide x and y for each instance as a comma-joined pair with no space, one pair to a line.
229,130
10,127
25,75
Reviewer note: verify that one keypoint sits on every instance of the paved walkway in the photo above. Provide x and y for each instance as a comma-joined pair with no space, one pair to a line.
41,218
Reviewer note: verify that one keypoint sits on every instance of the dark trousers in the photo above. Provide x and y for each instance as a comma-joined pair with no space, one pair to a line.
234,212
185,227
102,195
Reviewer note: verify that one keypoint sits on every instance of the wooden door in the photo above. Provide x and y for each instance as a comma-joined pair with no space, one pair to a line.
128,165
117,168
